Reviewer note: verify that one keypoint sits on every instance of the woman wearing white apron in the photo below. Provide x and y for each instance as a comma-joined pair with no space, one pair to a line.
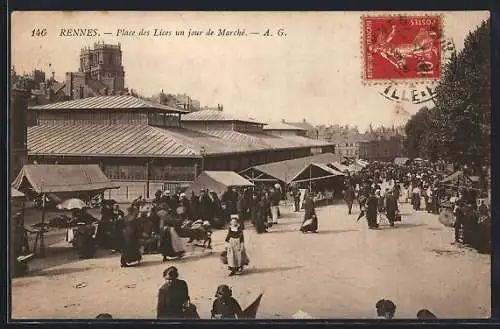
236,255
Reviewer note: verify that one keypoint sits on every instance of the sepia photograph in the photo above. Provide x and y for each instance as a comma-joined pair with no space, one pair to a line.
221,165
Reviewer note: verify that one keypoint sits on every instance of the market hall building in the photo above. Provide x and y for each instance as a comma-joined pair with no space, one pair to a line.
145,146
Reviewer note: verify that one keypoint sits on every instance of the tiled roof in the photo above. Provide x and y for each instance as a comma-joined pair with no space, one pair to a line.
216,115
264,141
148,141
106,102
282,126
119,140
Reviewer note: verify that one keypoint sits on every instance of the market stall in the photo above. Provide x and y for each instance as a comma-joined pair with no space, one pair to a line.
217,181
59,183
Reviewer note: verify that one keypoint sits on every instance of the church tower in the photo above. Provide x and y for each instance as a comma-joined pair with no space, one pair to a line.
104,63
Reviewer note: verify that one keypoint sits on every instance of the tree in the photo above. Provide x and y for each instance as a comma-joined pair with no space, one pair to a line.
463,101
458,128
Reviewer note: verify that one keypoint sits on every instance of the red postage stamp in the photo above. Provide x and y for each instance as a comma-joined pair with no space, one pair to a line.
401,47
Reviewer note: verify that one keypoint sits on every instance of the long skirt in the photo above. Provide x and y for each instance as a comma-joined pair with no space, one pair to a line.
236,255
309,225
131,252
171,245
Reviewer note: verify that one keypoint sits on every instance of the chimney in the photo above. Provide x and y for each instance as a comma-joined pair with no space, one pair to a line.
282,120
304,120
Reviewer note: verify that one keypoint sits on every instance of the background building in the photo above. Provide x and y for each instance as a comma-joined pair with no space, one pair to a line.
100,73
311,131
284,129
382,149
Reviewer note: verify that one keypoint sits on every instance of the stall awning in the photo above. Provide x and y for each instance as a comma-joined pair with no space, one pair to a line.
217,181
62,179
284,171
16,193
340,167
316,171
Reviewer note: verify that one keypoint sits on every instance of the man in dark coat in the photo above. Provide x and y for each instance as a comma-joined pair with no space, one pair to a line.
349,196
241,206
274,200
259,213
391,207
229,198
172,296
206,209
194,207
371,211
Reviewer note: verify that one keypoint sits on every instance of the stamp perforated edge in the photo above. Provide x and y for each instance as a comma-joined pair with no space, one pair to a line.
422,81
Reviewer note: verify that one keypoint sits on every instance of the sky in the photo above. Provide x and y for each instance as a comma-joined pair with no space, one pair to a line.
312,72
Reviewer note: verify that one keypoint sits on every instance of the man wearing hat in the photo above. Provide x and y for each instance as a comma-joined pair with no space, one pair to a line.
371,210
172,296
206,207
391,207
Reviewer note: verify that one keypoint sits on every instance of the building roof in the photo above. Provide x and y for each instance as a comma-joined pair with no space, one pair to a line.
107,102
216,115
62,178
286,170
282,126
303,125
149,141
264,141
121,140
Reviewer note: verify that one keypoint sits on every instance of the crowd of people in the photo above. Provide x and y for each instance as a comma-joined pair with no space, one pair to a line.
158,227
379,187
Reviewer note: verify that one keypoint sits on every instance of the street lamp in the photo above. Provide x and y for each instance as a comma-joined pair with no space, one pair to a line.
203,152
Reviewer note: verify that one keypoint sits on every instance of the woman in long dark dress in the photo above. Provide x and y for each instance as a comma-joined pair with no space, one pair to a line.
131,249
225,306
260,212
310,223
170,244
118,226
